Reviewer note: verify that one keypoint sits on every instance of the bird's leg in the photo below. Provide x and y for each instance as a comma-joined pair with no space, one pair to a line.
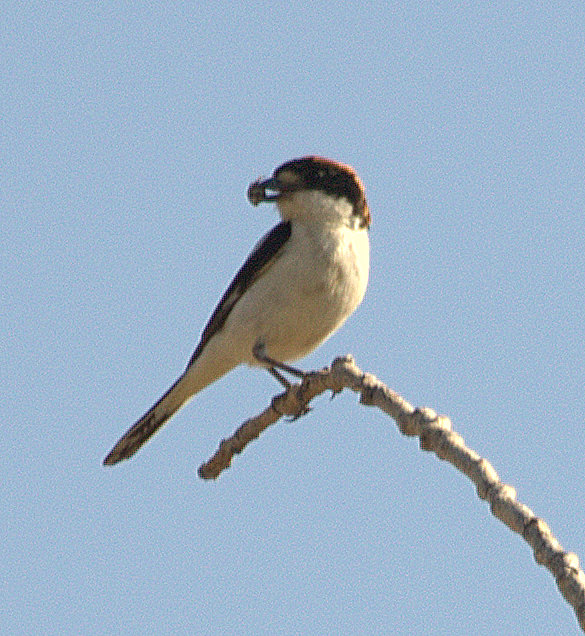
285,383
260,354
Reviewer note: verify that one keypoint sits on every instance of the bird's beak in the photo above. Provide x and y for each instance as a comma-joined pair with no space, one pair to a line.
257,190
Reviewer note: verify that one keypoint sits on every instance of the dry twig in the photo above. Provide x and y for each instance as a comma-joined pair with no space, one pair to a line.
436,435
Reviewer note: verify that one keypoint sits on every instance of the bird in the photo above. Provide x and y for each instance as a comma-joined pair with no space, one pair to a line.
299,284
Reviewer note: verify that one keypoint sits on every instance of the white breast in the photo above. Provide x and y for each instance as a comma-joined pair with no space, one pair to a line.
316,282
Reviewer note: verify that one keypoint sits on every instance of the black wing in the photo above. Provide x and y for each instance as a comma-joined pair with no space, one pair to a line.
258,260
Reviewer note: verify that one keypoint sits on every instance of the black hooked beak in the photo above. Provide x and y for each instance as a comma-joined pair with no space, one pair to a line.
257,190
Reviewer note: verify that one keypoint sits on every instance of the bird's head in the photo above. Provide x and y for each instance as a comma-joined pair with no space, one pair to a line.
315,189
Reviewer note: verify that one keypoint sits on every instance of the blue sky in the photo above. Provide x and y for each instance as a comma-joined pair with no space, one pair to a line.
130,134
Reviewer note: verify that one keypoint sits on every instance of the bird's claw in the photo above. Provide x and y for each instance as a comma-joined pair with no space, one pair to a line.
302,411
335,392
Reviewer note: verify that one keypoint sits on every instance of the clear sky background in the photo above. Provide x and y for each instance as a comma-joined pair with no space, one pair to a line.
129,135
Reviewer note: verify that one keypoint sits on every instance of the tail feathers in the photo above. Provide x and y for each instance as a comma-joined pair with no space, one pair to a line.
149,423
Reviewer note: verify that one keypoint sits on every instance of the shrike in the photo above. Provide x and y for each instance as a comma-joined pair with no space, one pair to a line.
297,287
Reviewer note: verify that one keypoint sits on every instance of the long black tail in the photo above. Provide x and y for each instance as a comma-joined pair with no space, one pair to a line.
140,432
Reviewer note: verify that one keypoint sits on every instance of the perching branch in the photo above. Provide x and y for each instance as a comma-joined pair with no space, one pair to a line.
436,434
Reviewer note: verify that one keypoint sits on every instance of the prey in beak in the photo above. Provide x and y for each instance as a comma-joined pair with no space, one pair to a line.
257,190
